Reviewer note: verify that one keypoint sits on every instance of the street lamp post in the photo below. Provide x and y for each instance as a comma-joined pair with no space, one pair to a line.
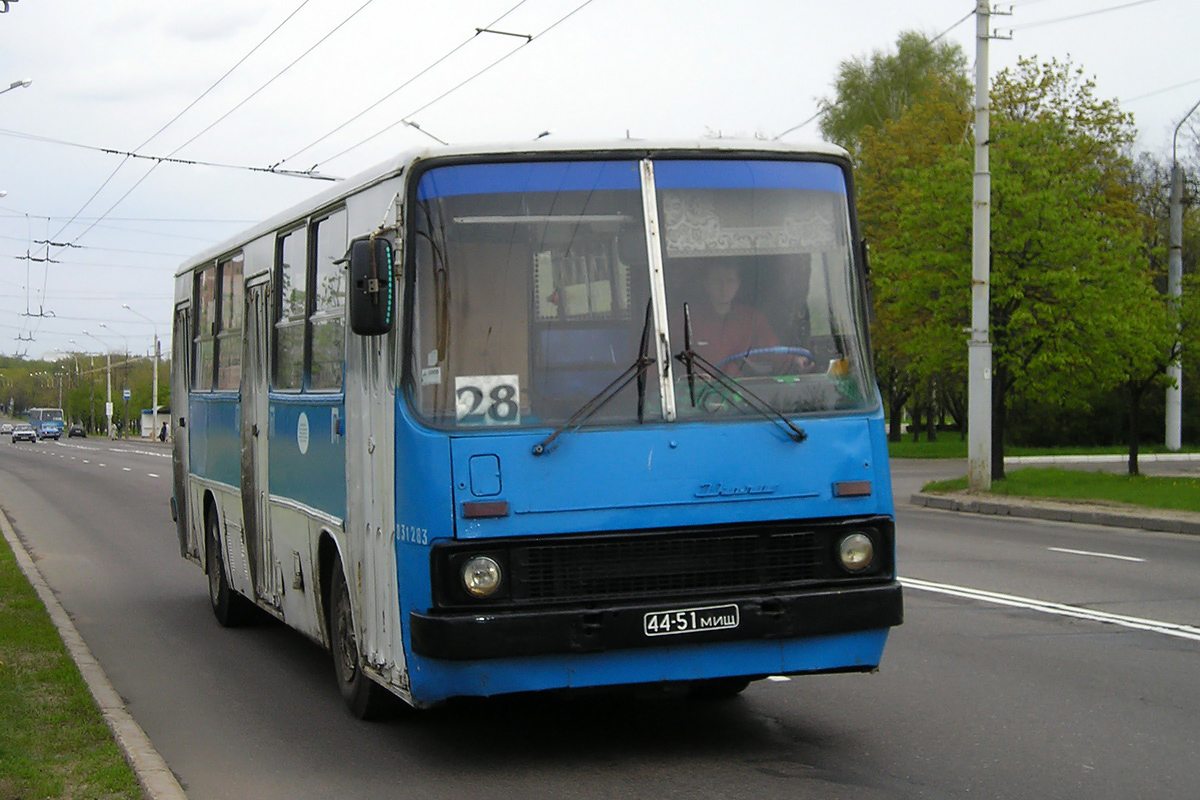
154,389
1174,432
125,388
91,419
21,84
108,405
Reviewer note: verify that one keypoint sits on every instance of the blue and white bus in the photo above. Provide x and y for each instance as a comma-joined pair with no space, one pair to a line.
487,420
47,422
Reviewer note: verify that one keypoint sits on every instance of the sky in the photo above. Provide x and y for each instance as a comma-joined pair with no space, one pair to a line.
327,87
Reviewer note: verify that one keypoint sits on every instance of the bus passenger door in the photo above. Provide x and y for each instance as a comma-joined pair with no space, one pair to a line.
370,502
181,350
254,414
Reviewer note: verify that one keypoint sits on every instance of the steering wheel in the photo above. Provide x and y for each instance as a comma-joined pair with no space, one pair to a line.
769,351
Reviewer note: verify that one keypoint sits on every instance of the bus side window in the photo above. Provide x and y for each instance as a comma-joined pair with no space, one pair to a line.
206,319
229,324
292,284
329,302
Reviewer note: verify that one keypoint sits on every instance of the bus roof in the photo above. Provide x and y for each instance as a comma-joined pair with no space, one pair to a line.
396,164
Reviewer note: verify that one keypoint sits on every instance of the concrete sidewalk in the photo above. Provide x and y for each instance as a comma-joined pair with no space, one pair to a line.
1085,512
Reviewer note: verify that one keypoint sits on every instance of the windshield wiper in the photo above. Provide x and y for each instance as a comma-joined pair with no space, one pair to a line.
636,370
715,376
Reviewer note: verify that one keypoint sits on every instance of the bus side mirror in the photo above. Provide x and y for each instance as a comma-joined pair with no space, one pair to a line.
864,251
372,288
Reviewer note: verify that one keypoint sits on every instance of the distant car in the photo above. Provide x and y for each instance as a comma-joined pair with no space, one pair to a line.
6,428
49,430
23,432
76,430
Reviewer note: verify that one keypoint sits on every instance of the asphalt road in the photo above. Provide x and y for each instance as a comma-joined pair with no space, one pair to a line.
978,696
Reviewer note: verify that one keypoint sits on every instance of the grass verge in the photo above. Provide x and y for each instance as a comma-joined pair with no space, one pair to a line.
53,740
950,445
1174,493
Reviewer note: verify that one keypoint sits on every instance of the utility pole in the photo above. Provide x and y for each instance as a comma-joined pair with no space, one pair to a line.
154,390
979,348
157,355
1174,432
108,406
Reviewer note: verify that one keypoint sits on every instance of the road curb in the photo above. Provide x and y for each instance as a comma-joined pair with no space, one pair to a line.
153,774
1062,512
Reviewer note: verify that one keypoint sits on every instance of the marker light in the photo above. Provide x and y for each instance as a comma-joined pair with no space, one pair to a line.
481,576
856,552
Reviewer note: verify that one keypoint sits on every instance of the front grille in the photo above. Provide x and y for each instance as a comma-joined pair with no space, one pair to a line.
651,565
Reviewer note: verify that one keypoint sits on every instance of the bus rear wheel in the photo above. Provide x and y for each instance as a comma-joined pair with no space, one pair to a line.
364,697
229,607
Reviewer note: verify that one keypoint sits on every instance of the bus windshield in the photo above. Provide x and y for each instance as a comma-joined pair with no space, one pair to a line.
534,281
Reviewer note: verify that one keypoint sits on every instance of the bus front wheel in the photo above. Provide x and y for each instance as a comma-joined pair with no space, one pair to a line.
364,697
719,688
229,607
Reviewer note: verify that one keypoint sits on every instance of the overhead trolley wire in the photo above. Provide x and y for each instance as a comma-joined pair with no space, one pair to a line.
966,17
128,156
404,120
155,135
161,159
275,77
228,72
393,92
1079,15
824,109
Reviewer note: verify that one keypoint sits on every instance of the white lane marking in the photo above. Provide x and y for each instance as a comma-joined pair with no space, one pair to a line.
1137,623
126,469
154,453
778,678
1096,555
153,474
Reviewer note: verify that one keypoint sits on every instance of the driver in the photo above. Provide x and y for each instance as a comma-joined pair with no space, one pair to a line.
721,326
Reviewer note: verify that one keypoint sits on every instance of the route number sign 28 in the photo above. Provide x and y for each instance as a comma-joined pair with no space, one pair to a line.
488,399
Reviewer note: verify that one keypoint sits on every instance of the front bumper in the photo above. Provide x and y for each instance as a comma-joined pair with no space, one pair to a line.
487,633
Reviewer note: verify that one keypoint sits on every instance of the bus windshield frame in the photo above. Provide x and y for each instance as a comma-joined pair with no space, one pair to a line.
532,282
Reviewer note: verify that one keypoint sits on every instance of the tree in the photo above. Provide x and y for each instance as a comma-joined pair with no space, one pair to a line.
1152,320
912,354
1072,298
871,91
1064,238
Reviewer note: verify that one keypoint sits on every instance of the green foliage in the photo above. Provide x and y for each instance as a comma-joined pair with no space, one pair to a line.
82,379
1074,307
53,741
875,90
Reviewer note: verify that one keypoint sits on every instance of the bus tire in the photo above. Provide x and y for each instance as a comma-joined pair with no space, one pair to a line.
229,607
365,698
719,688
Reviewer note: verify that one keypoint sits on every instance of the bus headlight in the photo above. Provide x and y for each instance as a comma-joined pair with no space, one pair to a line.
481,576
856,551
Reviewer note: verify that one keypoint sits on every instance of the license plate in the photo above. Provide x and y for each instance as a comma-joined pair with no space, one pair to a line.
691,620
